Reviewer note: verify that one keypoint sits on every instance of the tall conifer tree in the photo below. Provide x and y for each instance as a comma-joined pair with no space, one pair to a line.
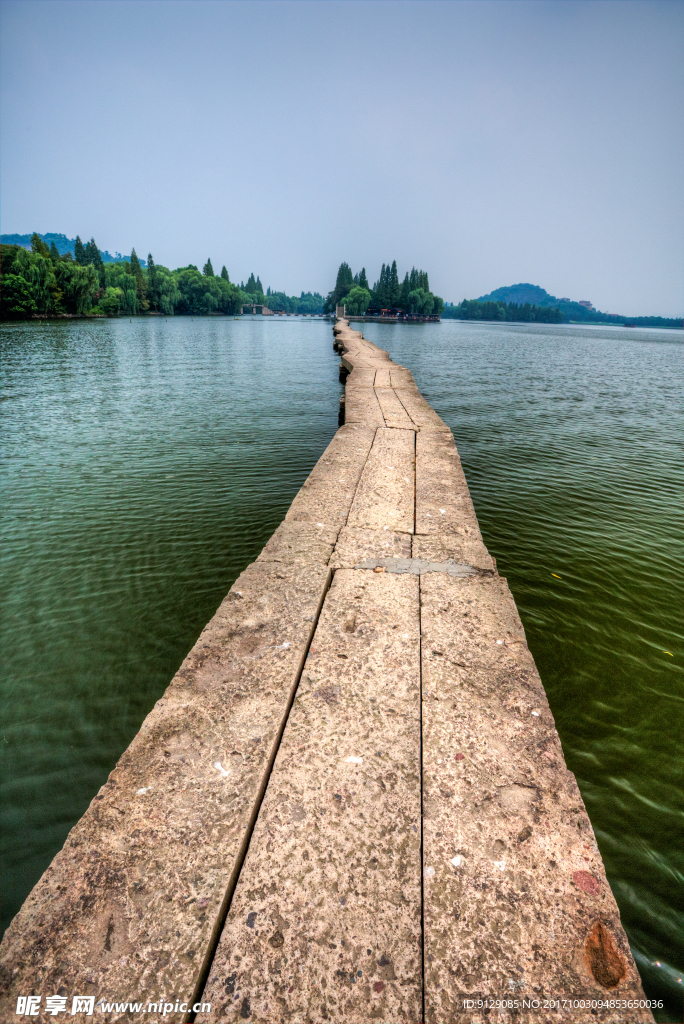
394,286
405,290
79,252
140,282
207,269
152,282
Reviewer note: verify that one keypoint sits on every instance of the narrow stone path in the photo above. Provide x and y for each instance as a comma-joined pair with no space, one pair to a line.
351,803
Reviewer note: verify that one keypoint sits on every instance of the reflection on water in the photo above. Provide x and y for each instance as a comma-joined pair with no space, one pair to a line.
571,440
146,463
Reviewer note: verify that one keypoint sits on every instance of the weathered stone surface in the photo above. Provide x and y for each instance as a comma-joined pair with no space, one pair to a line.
385,495
400,377
443,503
355,544
325,922
128,907
361,376
465,546
362,407
301,542
420,411
327,494
382,378
514,887
393,411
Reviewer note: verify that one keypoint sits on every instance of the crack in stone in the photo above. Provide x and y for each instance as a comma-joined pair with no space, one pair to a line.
418,566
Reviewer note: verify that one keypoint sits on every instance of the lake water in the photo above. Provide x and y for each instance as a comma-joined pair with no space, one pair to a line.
146,462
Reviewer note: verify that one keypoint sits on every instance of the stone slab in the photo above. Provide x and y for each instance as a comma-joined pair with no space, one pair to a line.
464,546
355,544
382,378
327,494
443,503
325,923
401,377
516,901
362,407
363,376
393,411
129,906
385,495
420,411
305,543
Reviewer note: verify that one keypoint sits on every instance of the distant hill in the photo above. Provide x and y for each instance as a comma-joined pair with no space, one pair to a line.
536,296
63,245
573,312
520,294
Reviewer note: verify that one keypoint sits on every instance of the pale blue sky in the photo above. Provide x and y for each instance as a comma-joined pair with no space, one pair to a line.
487,142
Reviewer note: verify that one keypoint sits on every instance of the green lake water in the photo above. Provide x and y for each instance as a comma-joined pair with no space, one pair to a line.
146,462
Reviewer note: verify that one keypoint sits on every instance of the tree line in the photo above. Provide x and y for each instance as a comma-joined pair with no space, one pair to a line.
279,302
472,309
43,282
412,295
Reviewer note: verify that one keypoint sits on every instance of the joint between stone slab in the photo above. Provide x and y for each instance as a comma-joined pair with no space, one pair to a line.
406,410
422,814
234,877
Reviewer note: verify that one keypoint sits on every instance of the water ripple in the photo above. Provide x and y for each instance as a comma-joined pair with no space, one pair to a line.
571,444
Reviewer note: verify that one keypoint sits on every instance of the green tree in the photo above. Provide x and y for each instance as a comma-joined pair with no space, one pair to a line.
404,294
140,282
420,301
38,246
79,286
37,271
129,295
17,300
152,283
207,269
343,285
363,280
387,289
54,252
224,273
79,252
110,303
393,287
357,301
168,293
93,257
380,288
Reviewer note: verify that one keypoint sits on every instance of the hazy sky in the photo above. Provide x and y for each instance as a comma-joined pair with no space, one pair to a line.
488,142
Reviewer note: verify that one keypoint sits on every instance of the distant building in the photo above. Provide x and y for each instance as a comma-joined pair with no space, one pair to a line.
258,309
585,303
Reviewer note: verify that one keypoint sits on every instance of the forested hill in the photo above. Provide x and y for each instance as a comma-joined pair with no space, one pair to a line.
62,244
529,302
41,281
522,293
